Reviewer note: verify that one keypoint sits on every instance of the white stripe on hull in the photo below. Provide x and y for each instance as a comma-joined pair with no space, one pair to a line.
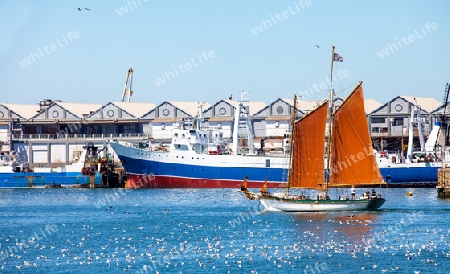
280,205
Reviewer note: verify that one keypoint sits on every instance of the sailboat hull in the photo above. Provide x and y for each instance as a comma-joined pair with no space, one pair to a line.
293,205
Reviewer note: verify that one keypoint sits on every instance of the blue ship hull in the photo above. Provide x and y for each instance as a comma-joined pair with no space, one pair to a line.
410,176
155,174
41,179
160,174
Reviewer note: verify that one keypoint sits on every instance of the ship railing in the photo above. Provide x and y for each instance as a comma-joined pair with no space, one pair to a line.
81,136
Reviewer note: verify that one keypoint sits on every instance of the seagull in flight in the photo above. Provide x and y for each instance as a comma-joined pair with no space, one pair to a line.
80,9
317,46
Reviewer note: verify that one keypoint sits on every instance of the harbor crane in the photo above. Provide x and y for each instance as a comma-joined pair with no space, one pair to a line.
128,85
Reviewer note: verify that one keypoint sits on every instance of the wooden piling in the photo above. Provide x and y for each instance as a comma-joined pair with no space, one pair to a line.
92,181
443,186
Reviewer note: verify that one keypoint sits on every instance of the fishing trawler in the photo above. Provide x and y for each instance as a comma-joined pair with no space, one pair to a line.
197,158
89,169
348,158
418,168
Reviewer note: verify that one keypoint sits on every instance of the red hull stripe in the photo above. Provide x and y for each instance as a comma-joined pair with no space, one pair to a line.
139,181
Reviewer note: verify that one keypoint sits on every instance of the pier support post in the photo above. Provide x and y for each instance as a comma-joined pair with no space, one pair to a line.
443,186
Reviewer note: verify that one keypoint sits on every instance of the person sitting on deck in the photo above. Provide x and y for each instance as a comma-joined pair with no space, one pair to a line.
263,189
244,184
374,193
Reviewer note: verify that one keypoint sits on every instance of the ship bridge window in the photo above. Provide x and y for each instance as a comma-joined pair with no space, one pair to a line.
199,148
181,147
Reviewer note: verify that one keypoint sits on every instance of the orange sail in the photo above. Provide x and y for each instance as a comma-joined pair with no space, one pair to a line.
309,141
352,158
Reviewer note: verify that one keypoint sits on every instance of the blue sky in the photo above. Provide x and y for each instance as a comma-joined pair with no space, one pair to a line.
208,49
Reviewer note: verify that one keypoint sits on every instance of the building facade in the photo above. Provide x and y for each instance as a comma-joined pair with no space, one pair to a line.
53,132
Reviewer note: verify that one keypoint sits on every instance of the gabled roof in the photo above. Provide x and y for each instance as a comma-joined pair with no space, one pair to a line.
79,109
191,108
443,108
303,105
265,110
135,109
68,110
427,104
25,111
371,105
253,106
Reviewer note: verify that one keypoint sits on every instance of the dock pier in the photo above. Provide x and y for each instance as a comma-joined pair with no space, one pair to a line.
443,186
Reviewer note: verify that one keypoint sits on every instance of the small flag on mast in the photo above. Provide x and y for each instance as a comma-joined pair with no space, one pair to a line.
338,58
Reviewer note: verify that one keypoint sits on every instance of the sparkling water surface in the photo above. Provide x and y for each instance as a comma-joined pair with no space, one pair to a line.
216,231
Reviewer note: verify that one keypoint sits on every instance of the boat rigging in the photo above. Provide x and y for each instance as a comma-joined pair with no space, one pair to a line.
347,136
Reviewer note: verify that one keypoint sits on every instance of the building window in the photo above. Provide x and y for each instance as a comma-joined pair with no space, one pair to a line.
379,130
55,114
397,122
280,110
378,120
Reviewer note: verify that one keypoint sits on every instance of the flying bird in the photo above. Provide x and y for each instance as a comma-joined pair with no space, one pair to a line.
80,9
317,46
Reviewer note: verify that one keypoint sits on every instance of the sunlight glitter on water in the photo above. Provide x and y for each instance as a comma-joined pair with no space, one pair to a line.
215,230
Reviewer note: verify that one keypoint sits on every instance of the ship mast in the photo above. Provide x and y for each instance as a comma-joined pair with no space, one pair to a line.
291,141
330,119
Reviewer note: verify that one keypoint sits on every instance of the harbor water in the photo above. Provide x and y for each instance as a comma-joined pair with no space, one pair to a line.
216,231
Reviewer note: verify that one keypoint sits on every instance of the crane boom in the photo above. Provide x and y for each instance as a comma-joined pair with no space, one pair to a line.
128,85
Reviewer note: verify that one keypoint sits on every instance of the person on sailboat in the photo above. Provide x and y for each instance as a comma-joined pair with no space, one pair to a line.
374,193
264,188
244,184
353,193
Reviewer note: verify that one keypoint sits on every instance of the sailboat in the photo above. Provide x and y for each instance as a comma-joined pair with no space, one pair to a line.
347,157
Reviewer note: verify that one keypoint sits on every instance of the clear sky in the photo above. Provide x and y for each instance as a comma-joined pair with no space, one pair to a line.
205,50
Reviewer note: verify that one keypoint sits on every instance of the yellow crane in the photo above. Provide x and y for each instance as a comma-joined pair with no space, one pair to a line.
128,85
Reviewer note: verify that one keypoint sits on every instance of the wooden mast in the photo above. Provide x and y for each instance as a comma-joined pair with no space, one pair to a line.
291,141
330,119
